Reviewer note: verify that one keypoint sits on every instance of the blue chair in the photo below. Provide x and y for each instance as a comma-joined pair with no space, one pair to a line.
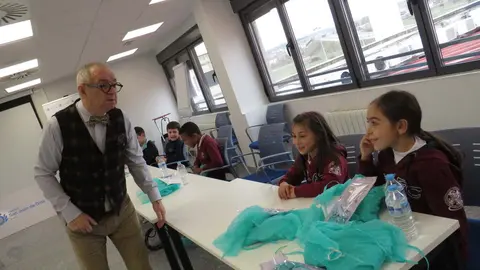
351,143
222,119
276,114
275,158
467,141
473,262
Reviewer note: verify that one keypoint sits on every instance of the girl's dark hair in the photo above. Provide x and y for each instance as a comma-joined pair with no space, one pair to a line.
326,141
398,105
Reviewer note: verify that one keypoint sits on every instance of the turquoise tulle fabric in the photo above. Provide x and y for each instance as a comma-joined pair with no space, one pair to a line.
364,243
164,188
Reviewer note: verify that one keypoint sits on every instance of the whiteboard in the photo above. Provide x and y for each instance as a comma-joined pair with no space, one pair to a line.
182,86
53,107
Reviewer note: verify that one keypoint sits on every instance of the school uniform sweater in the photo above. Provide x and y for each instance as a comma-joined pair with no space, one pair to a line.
209,157
316,179
150,153
431,181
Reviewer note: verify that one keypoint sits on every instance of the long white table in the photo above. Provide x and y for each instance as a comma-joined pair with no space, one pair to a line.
203,209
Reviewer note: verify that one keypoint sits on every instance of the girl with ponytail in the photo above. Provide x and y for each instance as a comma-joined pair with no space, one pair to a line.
428,167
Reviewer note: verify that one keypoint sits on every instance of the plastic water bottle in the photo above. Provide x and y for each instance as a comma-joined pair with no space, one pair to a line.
163,169
182,173
400,211
390,180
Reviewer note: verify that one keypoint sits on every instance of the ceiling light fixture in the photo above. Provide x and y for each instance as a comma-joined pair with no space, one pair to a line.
4,72
23,85
121,55
142,31
15,31
155,1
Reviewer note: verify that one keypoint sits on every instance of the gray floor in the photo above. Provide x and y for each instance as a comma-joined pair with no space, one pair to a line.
45,246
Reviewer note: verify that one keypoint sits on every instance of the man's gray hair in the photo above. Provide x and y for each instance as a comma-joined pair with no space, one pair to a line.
84,74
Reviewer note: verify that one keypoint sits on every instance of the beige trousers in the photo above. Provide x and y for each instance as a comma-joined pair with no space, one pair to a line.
124,231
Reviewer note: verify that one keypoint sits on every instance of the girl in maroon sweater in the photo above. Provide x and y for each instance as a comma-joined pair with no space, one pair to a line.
428,167
322,161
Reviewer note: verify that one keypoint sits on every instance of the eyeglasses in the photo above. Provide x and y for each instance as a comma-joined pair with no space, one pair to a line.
106,87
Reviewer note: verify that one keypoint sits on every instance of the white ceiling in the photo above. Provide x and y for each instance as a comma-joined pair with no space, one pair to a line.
69,33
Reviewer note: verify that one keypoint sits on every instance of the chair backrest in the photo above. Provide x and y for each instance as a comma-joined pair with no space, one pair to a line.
270,142
277,113
467,141
225,133
222,146
351,143
222,119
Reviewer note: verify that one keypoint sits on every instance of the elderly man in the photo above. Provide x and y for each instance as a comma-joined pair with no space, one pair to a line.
89,143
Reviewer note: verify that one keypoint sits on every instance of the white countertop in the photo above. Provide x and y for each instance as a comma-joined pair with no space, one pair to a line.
203,209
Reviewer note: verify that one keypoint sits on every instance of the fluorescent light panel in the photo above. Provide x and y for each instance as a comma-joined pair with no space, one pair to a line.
142,31
15,31
155,1
120,55
23,85
18,68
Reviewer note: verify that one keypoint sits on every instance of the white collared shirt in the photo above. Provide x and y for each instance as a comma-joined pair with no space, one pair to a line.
50,157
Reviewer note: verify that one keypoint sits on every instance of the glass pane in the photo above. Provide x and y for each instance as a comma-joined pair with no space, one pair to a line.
196,94
318,41
272,41
457,25
207,69
389,39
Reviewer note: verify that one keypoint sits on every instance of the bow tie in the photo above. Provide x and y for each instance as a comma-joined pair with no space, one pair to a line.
98,120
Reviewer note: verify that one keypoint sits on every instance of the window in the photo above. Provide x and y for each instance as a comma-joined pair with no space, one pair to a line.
205,92
210,76
309,47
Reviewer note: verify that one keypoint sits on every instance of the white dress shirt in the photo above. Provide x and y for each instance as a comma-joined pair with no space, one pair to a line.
50,156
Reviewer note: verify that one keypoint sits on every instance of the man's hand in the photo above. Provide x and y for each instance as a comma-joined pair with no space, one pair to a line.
83,223
160,211
283,190
197,170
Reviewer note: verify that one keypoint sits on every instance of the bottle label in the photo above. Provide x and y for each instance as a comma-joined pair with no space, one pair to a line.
403,208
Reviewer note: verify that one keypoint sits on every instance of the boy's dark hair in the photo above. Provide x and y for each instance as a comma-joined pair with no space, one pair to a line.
326,141
173,125
190,129
398,105
139,131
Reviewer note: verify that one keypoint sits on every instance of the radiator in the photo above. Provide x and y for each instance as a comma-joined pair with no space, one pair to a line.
347,122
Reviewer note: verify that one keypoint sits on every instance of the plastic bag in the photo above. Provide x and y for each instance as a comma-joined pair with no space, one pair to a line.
281,262
342,209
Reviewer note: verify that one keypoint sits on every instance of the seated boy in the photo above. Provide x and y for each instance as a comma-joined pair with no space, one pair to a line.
208,151
150,151
175,149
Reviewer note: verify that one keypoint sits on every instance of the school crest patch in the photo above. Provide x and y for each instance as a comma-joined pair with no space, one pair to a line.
453,199
333,168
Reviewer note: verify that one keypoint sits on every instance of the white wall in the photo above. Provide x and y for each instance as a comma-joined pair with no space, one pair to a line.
18,193
447,102
146,93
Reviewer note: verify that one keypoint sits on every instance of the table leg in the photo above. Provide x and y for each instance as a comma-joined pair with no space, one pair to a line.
167,246
182,253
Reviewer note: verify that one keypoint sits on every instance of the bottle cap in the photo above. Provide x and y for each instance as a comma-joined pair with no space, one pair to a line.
393,187
390,177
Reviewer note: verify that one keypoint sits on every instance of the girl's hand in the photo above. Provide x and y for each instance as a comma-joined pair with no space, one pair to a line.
283,190
291,192
366,148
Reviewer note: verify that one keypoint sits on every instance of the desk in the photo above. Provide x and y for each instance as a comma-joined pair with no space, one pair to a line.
197,188
204,209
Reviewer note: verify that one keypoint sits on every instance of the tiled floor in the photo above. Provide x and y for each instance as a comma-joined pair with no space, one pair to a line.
45,246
